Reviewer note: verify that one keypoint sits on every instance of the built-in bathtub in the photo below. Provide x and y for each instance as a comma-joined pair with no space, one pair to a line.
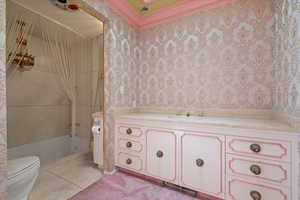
51,149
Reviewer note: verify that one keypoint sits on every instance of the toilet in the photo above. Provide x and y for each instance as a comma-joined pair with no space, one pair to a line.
22,173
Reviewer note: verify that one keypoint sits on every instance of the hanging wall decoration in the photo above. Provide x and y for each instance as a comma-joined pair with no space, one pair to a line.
21,56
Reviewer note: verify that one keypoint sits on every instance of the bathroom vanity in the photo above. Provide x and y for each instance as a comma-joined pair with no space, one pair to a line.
223,158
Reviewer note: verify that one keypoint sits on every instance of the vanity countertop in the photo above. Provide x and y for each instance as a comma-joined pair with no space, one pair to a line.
215,121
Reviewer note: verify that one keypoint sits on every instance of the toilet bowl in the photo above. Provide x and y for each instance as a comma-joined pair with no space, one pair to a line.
22,174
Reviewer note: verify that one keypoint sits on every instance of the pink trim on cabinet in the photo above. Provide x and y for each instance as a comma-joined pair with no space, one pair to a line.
129,140
129,155
249,183
221,162
259,177
175,168
258,142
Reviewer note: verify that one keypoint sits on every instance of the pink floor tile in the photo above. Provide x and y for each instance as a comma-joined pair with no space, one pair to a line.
121,186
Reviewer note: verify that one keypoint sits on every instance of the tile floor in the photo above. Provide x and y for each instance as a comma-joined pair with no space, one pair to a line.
64,178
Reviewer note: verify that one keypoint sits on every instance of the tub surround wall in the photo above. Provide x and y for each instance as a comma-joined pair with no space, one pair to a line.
36,102
2,102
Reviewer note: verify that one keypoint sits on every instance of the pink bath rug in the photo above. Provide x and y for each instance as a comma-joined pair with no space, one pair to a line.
121,186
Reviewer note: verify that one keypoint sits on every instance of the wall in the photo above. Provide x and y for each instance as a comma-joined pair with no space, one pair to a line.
38,108
120,71
287,71
220,59
2,103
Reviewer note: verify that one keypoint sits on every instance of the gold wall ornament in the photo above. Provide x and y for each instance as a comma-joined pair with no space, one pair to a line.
21,57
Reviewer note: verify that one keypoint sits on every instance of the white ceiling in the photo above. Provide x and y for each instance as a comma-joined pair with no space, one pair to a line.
79,21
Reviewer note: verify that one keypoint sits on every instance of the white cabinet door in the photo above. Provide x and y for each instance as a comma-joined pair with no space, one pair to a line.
161,154
202,163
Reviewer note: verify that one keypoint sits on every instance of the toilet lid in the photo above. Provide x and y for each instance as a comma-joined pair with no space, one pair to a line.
17,166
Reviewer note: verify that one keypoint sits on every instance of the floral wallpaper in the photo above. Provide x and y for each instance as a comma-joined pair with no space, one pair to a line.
216,59
287,54
2,104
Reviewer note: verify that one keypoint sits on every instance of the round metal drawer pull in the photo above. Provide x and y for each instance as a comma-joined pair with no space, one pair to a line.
255,195
255,169
255,148
159,154
199,162
128,161
128,144
129,131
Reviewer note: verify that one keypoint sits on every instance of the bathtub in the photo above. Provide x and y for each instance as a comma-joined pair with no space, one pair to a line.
51,149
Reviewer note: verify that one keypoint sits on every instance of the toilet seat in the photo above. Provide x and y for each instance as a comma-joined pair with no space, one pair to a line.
20,166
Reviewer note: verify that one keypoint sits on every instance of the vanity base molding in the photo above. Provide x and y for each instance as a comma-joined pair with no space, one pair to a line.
200,196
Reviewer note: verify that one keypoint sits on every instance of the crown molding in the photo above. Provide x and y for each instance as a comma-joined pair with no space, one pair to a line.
186,7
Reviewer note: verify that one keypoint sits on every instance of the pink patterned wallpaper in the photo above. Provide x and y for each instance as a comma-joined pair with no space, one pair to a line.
286,52
216,59
2,104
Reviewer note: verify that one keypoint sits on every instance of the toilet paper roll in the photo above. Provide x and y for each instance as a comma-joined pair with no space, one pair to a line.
96,129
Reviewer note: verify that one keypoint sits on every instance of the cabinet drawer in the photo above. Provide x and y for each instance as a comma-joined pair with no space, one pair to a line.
130,162
278,173
269,149
130,131
130,145
239,189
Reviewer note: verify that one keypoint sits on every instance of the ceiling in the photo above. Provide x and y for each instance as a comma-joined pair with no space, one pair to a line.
152,5
79,21
146,13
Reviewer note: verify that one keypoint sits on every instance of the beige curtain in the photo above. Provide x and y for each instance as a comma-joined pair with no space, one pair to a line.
59,43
